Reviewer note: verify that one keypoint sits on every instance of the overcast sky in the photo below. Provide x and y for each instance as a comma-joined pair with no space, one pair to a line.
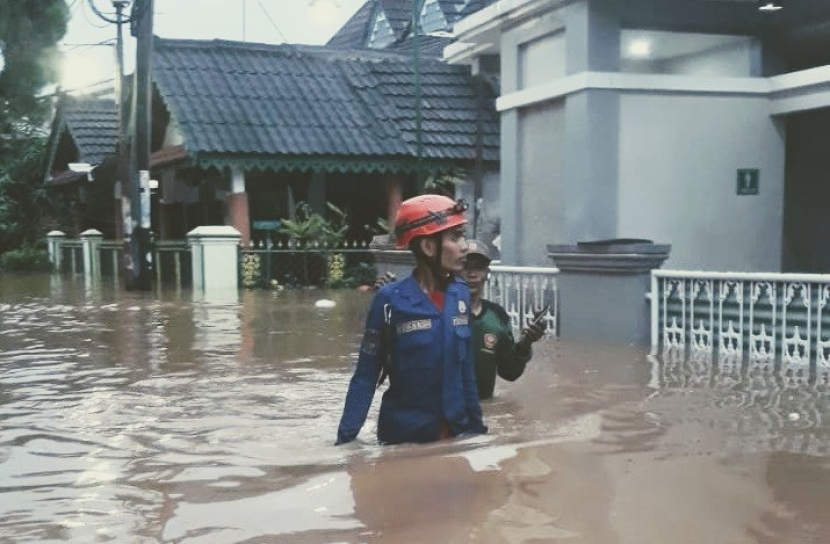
262,21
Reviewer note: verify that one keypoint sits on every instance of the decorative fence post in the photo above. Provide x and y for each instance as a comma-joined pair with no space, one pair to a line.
55,240
91,244
215,258
390,259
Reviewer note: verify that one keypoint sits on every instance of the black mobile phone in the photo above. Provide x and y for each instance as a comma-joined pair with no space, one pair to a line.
540,316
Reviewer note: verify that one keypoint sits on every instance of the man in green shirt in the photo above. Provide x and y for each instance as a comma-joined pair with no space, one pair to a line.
494,349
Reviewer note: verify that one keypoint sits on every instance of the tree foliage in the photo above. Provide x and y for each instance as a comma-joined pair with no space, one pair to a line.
29,32
23,199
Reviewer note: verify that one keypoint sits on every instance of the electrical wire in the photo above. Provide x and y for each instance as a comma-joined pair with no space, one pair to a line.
105,17
90,20
268,15
73,46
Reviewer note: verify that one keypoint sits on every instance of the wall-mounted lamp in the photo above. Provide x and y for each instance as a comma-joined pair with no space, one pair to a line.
154,184
770,5
82,168
639,48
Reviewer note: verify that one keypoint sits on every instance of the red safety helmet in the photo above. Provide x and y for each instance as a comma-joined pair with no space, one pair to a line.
425,215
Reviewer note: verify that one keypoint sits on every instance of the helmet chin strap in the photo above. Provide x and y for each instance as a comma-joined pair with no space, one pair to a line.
441,278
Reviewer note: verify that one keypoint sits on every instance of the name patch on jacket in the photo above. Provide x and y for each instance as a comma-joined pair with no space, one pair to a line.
412,326
460,320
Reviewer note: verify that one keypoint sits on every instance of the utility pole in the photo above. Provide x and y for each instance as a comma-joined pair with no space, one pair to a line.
122,214
138,243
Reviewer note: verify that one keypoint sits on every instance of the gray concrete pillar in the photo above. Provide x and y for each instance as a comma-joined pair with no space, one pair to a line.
388,258
215,258
55,240
602,289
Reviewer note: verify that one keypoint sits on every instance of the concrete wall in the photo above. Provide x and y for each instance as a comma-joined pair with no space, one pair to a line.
489,217
734,59
678,162
541,59
541,208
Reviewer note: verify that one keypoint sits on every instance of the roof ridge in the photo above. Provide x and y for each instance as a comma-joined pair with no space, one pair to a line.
222,43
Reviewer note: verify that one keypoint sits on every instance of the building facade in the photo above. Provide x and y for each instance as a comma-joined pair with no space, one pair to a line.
694,123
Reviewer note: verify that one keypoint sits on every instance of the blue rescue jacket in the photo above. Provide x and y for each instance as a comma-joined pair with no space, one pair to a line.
431,372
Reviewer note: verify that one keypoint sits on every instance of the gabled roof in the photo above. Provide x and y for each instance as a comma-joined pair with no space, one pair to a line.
93,126
354,34
290,107
84,130
398,13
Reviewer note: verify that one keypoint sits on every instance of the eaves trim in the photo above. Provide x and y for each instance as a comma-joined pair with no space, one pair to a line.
325,164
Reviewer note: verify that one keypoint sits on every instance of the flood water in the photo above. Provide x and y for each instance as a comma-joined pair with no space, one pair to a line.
158,418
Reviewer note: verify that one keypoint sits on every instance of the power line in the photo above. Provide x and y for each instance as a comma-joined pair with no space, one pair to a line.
268,15
89,20
73,46
105,17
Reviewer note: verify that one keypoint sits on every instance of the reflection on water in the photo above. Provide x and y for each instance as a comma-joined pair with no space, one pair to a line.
130,417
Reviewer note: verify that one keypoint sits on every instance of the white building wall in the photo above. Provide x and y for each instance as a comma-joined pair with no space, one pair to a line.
542,211
732,60
678,162
542,59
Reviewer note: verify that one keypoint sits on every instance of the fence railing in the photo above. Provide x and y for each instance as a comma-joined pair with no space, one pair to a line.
111,255
524,290
777,321
71,257
173,264
344,265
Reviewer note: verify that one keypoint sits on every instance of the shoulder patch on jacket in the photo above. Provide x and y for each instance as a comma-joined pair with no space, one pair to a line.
371,342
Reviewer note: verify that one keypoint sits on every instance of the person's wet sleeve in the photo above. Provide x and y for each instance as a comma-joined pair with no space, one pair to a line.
512,356
362,385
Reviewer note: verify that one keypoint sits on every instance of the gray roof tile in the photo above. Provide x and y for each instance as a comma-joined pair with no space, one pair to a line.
236,98
93,125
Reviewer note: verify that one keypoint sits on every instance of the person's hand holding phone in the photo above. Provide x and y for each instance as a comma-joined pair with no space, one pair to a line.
534,330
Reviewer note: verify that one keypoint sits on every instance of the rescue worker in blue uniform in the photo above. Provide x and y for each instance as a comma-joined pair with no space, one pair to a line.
418,332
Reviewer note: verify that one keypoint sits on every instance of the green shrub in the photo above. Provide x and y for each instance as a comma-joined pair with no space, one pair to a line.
25,259
360,274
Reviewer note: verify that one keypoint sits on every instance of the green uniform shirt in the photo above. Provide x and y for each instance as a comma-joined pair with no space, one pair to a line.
494,349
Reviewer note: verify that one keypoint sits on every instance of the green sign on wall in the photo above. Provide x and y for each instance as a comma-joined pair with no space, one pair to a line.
748,179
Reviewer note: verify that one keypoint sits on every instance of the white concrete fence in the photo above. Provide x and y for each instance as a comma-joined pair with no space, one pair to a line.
524,290
777,322
213,257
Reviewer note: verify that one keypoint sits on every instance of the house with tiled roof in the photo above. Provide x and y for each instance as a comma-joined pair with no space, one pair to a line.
242,131
82,146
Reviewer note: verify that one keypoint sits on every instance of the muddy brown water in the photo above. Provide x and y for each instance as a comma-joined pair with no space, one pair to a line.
159,418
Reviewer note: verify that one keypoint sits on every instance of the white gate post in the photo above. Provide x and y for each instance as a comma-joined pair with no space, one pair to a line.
91,244
215,257
55,240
